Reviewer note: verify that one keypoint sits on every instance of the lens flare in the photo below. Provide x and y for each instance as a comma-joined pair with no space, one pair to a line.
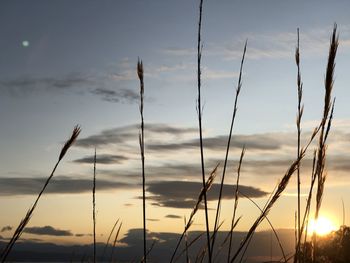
25,43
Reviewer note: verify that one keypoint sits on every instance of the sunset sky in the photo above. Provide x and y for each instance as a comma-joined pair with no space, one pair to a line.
65,62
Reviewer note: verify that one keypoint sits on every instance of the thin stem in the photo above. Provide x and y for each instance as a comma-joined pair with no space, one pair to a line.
199,56
239,85
142,149
94,207
299,116
236,203
17,234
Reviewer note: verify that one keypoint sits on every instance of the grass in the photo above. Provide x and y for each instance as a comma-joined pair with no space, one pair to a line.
19,230
318,177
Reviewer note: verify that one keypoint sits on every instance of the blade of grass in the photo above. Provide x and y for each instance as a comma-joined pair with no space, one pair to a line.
109,237
235,204
203,191
18,232
282,185
238,90
115,240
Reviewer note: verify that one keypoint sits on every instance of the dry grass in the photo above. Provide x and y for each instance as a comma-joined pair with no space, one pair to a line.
318,175
199,109
18,232
142,152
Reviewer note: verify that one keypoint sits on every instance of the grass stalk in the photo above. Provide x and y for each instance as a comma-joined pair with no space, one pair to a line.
18,232
142,150
94,207
325,128
238,89
281,187
199,109
202,193
235,204
109,237
186,243
298,123
115,240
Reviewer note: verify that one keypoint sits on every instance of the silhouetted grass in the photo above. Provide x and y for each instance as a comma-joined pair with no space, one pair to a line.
18,232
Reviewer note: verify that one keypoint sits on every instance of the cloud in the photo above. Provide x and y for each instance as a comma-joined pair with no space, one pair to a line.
6,228
83,235
122,135
173,216
118,95
182,194
153,219
180,51
267,141
59,184
26,85
47,230
103,159
77,83
218,74
268,45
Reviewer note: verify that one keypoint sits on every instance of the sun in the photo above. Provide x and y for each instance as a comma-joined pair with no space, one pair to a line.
322,226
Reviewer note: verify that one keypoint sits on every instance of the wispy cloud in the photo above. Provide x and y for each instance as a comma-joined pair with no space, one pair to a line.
47,230
6,228
124,134
77,83
269,45
27,85
173,151
60,184
120,95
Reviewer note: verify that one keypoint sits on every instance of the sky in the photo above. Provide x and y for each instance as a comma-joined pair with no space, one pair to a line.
64,63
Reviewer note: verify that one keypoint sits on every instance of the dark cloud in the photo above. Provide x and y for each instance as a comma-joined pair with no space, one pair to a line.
153,219
252,142
73,82
102,159
6,228
47,230
173,216
59,184
184,194
118,95
83,235
121,135
124,134
26,85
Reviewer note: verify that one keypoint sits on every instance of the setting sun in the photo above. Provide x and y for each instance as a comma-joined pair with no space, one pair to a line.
322,226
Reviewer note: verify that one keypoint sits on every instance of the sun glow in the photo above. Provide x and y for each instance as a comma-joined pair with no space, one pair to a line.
322,226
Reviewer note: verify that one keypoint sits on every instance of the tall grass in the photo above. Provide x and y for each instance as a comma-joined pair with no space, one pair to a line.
298,122
325,128
19,230
94,207
142,151
238,90
199,109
